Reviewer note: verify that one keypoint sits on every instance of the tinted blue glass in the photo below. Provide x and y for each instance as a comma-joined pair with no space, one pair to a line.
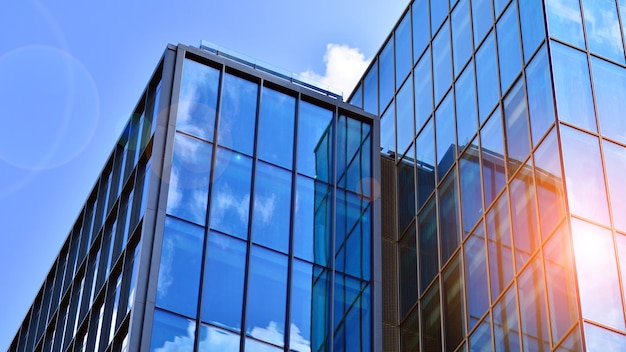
445,136
386,78
480,340
215,339
354,155
230,198
533,318
603,30
170,331
615,164
499,246
573,89
540,101
179,270
408,271
550,196
499,5
302,302
189,179
421,27
466,116
471,194
357,97
351,227
505,325
272,207
438,11
223,281
423,90
406,190
267,296
509,50
461,36
448,217
584,177
487,78
565,22
476,276
482,15
403,49
533,27
516,122
370,90
276,127
425,163
387,130
238,114
314,136
609,82
600,339
442,62
313,220
404,116
526,237
427,237
198,99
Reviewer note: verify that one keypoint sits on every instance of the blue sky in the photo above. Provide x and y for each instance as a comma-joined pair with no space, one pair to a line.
71,73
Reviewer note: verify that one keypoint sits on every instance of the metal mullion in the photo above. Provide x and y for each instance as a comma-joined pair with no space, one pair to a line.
333,225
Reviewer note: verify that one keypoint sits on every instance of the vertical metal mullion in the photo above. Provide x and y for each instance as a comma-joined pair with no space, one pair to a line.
333,227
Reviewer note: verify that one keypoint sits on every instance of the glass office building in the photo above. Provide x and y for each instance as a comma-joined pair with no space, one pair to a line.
503,137
236,213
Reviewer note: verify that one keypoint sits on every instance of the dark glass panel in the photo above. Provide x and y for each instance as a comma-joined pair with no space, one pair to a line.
466,117
565,22
572,85
406,191
272,207
421,27
499,246
267,295
189,179
370,90
550,194
615,164
603,30
600,297
540,99
170,331
238,114
313,220
408,271
453,304
198,100
409,332
431,319
584,177
423,90
492,156
505,325
223,281
533,318
404,116
276,127
387,131
600,339
609,83
471,194
427,236
526,237
476,276
425,163
386,79
445,136
482,12
516,122
461,36
509,49
448,217
533,27
403,49
315,134
230,198
486,77
442,61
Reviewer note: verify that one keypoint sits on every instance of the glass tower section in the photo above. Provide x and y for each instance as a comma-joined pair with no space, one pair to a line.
503,150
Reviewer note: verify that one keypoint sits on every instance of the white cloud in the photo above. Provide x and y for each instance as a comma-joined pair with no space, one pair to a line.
344,67
264,208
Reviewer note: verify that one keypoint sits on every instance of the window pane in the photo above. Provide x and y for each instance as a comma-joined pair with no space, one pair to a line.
535,335
370,90
423,90
445,131
584,176
540,100
179,271
387,130
313,220
565,22
354,152
431,319
314,141
403,49
448,217
509,50
461,36
267,296
499,246
352,234
189,179
425,163
603,31
476,276
198,100
471,193
170,331
408,271
480,340
442,61
482,12
406,191
404,116
516,120
600,297
231,193
386,80
438,11
466,117
609,82
238,114
505,324
427,237
276,126
357,97
615,163
303,301
272,207
486,79
409,333
533,27
215,339
421,27
492,149
523,214
223,281
453,304
600,339
550,194
573,90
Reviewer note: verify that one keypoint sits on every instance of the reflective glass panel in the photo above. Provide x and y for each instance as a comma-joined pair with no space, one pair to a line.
499,5
313,220
370,90
198,99
499,246
565,22
509,49
404,116
315,141
421,27
427,236
189,179
215,339
600,339
573,342
482,12
448,217
179,270
230,199
476,276
357,97
486,77
403,49
533,318
533,27
171,332
408,271
516,122
550,194
492,151
523,215
238,114
386,78
573,90
354,155
423,90
387,130
505,324
309,306
471,193
431,319
406,191
276,127
223,281
442,61
584,177
445,136
409,333
603,30
461,36
438,11
425,163
452,290
540,100
466,117
267,296
609,82
352,233
272,207
621,250
615,163
480,340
